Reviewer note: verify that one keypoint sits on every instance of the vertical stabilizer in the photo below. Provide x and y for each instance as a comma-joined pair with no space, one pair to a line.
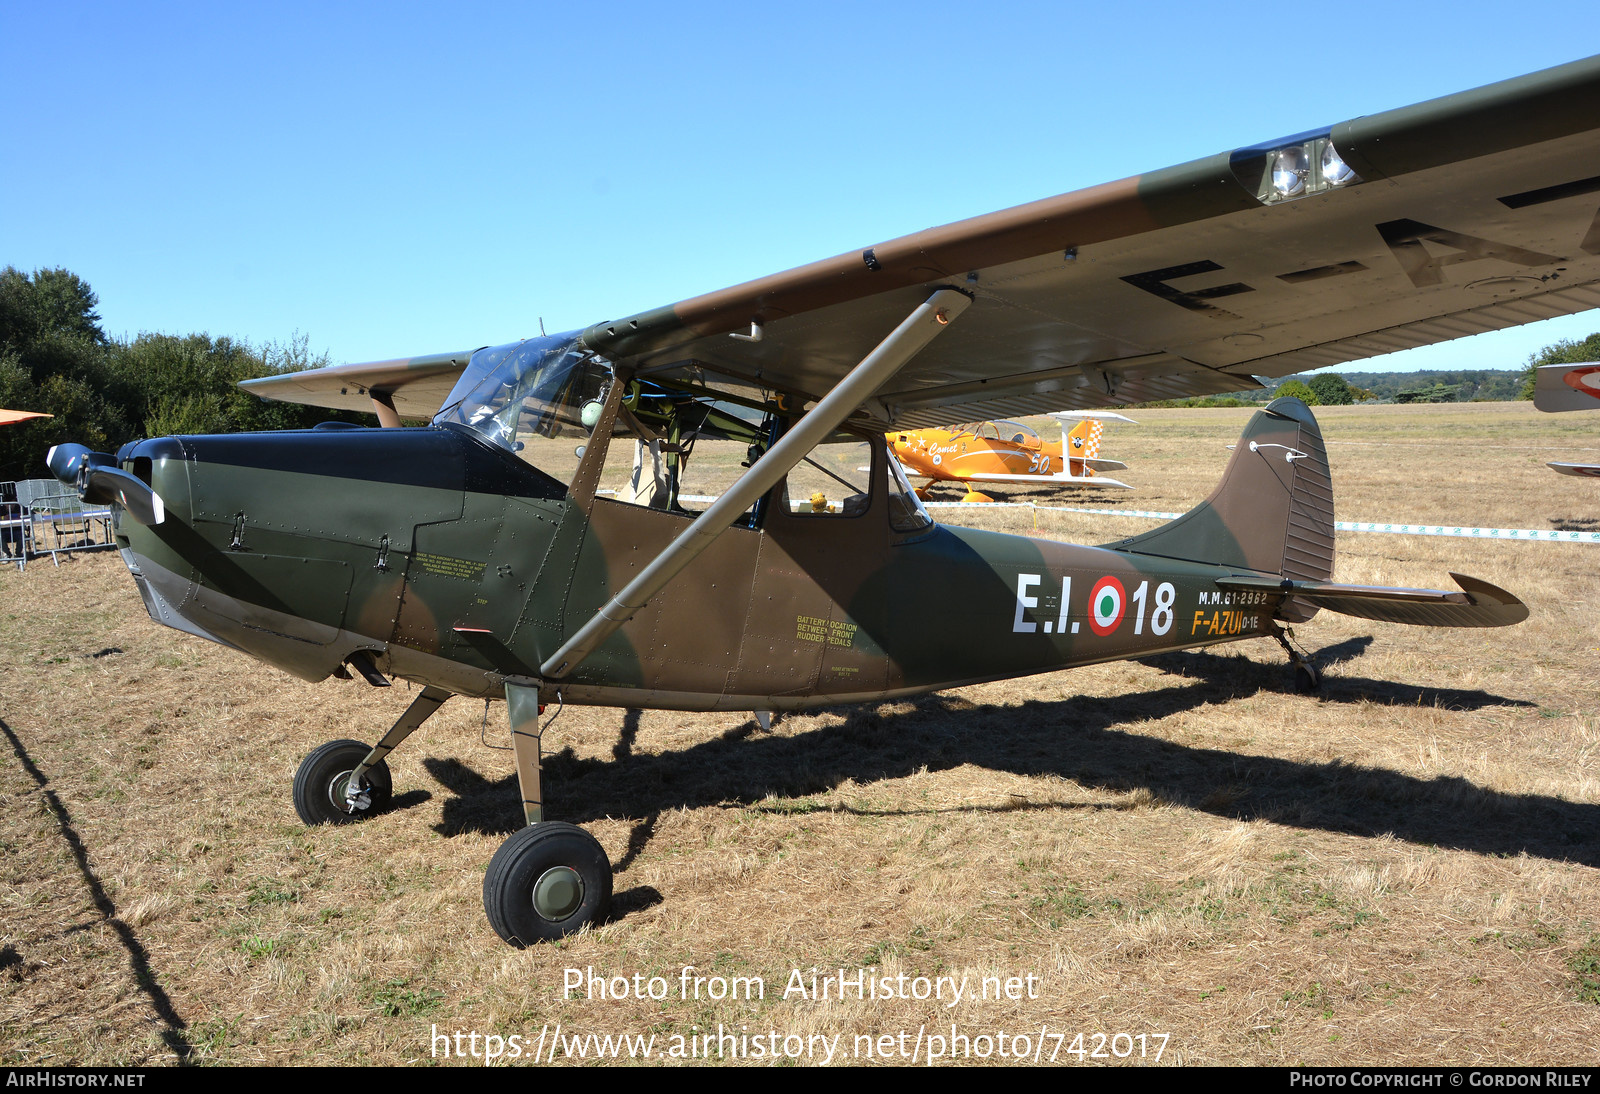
1080,446
1271,513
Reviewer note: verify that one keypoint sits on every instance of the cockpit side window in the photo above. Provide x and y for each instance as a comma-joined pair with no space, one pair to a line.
834,480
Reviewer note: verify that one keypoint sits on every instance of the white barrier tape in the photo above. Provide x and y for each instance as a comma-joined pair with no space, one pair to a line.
1517,535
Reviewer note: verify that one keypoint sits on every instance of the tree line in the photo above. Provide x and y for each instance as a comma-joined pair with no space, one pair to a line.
1424,386
104,392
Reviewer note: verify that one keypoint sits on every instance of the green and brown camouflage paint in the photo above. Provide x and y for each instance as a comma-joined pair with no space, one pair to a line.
453,563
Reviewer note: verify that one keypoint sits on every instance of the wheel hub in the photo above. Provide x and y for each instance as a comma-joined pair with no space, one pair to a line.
557,893
339,793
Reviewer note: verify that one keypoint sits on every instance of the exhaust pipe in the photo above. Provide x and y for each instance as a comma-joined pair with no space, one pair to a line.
98,480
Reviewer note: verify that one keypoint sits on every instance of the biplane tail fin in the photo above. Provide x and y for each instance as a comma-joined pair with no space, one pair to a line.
1271,513
1080,445
1080,448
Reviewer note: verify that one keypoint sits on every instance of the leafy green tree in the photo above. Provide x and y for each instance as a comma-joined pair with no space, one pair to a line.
1565,352
1331,389
53,359
1299,390
189,384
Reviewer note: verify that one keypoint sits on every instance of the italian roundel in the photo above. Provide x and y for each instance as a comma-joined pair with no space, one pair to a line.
1586,380
1107,602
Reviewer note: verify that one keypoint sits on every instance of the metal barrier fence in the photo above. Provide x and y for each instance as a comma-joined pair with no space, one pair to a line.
41,517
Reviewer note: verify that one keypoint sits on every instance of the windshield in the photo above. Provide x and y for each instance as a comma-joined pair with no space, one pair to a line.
534,388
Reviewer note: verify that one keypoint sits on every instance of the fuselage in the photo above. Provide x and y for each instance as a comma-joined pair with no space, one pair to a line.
959,453
453,562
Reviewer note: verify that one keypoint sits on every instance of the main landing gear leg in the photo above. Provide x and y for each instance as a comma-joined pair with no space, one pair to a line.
549,879
1306,677
344,781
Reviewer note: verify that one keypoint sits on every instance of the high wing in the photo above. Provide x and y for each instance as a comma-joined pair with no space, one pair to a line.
412,387
1463,214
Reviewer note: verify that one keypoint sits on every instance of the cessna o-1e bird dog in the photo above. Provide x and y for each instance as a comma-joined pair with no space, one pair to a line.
466,556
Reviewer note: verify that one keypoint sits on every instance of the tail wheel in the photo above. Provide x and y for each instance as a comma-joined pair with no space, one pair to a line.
547,881
1306,678
321,784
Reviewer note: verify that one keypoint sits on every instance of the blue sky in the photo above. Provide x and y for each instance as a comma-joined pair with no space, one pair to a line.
394,179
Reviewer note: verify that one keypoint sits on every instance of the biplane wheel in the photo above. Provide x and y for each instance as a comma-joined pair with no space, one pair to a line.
319,784
546,881
1306,678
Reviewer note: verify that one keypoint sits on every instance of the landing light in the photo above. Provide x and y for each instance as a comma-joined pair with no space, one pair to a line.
1289,170
1335,172
1302,166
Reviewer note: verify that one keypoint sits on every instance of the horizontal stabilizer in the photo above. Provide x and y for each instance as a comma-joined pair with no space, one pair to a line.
1104,465
1479,604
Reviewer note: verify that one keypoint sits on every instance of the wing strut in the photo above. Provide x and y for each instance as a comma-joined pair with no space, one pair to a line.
875,369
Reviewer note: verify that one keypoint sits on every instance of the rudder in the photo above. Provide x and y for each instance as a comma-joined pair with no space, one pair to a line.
1272,512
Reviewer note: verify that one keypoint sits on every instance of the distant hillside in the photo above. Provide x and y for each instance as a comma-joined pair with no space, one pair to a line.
1483,385
1431,385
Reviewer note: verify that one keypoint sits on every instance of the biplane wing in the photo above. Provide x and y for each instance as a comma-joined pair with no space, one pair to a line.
1558,388
1061,478
1584,470
10,417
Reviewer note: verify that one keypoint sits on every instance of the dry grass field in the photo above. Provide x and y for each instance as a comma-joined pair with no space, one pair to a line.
1401,869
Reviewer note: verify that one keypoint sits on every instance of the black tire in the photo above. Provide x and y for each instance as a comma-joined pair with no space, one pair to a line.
319,784
557,864
1306,679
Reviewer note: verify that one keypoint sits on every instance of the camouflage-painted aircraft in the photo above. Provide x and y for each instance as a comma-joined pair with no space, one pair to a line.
478,556
1006,451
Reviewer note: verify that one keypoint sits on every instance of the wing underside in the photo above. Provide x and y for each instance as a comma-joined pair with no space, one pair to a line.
1465,214
416,387
1457,216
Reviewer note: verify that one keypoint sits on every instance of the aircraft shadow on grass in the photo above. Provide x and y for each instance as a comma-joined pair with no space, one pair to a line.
1075,738
171,1027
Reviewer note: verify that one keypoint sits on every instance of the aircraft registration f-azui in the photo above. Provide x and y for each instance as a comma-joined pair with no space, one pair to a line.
1006,451
476,555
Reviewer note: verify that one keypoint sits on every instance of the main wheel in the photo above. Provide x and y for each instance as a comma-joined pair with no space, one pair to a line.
546,881
319,784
